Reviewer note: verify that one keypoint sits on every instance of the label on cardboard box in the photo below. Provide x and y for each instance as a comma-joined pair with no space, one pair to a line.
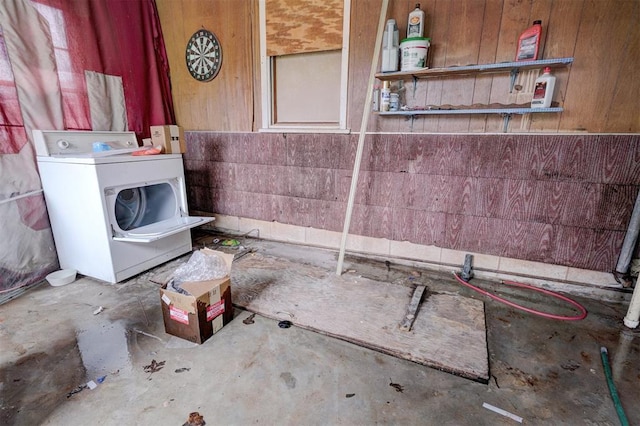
215,310
179,315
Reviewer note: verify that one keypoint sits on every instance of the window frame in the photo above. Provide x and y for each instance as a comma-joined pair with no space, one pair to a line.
267,81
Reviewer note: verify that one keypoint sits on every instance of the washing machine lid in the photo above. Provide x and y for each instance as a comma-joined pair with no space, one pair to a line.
159,230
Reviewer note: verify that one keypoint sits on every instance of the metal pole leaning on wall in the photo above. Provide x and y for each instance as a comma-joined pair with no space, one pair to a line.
632,318
630,240
363,129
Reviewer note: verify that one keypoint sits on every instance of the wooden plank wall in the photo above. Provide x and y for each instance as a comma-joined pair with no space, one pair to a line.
597,92
227,102
562,197
557,199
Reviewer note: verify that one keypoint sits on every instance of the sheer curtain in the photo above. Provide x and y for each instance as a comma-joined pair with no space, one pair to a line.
48,48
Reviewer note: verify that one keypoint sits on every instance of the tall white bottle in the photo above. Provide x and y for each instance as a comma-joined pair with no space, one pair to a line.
543,90
390,47
415,23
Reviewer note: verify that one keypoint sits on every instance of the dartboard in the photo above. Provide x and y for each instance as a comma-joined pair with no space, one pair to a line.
203,55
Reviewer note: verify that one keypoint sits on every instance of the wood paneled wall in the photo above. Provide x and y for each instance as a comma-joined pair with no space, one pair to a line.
557,199
227,102
599,92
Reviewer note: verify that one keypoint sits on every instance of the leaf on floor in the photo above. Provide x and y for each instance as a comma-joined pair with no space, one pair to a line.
77,390
397,387
249,319
154,367
570,365
195,419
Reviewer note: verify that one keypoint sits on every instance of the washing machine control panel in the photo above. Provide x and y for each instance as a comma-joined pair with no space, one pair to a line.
69,143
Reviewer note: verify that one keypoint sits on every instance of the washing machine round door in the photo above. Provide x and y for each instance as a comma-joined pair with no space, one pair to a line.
130,208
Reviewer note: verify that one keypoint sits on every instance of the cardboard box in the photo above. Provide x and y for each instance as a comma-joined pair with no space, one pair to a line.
170,137
198,316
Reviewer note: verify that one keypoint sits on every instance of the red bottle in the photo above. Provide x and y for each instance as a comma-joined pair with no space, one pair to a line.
529,43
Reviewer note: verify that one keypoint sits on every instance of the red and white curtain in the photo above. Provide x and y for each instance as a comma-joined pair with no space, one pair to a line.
76,65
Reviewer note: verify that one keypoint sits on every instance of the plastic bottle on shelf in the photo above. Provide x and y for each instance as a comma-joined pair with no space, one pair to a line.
394,101
385,97
415,23
390,47
543,91
529,43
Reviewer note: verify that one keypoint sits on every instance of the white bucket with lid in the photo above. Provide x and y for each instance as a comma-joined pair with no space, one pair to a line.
414,53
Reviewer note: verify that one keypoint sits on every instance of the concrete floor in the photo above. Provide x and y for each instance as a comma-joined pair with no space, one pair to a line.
52,340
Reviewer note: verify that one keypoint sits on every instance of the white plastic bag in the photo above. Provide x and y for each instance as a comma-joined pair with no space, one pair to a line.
200,267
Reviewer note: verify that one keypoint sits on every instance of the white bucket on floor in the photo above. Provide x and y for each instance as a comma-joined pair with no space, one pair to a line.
414,53
62,277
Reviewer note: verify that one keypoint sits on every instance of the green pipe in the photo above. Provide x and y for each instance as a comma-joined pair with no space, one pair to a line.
604,354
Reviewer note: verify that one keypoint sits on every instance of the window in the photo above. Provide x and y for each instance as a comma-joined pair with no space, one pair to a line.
304,67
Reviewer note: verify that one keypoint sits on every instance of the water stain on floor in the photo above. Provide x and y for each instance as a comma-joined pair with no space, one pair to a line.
37,383
104,349
288,379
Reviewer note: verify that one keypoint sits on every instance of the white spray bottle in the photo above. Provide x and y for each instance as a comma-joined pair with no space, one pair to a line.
390,47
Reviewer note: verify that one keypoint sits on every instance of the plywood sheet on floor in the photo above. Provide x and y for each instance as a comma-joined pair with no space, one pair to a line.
449,331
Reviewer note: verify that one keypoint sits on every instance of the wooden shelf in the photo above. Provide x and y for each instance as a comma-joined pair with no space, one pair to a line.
474,69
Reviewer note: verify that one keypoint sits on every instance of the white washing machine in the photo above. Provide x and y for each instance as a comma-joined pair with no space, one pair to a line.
113,214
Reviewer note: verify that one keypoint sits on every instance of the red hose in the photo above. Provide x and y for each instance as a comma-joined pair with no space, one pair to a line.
582,309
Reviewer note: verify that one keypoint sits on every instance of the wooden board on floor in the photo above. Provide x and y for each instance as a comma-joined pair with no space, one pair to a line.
412,308
449,331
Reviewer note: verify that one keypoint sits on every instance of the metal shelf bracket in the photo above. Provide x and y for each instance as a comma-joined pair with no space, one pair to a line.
505,122
514,76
